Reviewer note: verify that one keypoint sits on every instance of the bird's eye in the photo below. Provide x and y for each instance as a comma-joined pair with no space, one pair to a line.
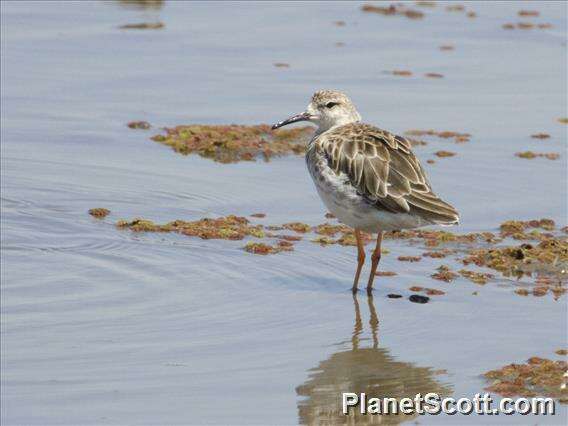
331,104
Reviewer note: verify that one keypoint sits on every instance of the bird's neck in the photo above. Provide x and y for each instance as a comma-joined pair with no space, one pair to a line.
342,121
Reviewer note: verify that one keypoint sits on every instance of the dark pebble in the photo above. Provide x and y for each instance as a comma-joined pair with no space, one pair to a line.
416,298
394,296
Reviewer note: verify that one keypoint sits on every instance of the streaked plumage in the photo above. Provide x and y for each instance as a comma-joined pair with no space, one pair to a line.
383,174
367,177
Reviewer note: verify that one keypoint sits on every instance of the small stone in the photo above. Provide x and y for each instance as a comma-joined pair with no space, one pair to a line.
416,298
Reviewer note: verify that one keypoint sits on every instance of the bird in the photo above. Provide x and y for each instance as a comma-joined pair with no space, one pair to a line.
368,178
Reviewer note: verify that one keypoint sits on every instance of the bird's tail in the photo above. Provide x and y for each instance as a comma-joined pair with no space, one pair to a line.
433,209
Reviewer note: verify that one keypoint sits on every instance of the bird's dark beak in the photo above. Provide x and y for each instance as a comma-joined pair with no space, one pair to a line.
305,116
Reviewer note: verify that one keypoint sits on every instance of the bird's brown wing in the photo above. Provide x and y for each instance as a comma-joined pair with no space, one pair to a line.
382,167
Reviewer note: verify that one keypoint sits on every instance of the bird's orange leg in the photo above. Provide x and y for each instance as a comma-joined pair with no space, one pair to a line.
360,259
375,258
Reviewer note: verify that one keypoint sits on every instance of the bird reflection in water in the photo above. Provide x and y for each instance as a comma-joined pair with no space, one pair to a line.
371,370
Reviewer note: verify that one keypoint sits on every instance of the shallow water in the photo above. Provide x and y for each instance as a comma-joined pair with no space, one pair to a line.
101,326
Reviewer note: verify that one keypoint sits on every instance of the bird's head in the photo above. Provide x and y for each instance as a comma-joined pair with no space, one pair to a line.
327,109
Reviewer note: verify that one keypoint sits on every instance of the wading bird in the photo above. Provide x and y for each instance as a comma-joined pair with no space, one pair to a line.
367,177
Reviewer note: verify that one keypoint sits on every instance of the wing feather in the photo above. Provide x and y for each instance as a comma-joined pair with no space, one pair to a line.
398,185
382,168
357,169
401,163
